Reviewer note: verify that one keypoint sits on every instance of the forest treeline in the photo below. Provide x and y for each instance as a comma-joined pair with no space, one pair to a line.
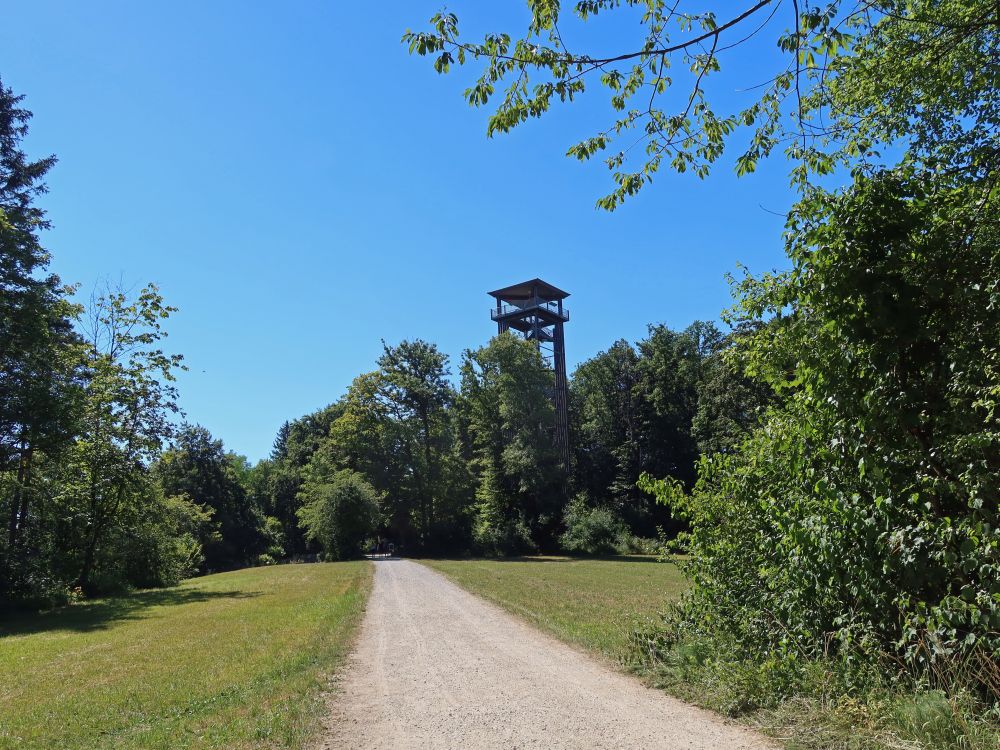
472,468
103,485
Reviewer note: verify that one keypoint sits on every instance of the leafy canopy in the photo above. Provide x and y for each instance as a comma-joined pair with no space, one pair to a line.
858,75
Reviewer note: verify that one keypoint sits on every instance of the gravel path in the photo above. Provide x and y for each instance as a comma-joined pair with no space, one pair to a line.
436,667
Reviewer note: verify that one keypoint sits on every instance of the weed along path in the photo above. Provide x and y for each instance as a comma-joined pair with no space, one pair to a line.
436,667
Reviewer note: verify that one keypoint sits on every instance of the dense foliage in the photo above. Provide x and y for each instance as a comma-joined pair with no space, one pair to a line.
863,518
592,530
505,389
474,469
339,512
196,467
85,402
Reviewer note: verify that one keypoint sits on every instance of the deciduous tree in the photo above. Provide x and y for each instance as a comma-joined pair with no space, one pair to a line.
521,489
129,401
339,509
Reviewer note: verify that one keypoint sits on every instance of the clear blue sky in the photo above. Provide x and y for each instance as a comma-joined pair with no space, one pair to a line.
302,188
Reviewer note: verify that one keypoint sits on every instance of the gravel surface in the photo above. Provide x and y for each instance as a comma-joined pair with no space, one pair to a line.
436,667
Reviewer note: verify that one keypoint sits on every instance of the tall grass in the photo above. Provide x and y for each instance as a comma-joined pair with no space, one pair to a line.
847,701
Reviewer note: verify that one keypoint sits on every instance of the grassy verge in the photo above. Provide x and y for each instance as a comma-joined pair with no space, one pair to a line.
235,660
592,603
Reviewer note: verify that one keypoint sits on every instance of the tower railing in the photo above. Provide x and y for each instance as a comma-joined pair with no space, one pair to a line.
509,308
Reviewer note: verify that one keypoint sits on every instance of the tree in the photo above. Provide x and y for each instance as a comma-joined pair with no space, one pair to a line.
859,73
866,495
368,439
280,448
162,544
128,403
521,485
862,518
198,468
730,404
415,385
607,409
671,369
40,372
339,510
634,412
277,482
396,428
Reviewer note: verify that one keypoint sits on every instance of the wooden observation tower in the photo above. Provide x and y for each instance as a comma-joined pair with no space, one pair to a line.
535,309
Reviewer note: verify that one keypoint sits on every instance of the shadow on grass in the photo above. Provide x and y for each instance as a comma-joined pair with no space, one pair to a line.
103,613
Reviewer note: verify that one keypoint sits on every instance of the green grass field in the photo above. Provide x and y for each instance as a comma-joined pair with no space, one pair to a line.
591,603
233,660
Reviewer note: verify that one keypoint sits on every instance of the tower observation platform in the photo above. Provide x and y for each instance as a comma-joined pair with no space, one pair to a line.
535,309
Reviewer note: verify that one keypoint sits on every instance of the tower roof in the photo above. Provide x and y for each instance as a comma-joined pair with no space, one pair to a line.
529,289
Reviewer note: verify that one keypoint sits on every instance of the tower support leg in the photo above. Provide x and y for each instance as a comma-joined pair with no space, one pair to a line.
561,396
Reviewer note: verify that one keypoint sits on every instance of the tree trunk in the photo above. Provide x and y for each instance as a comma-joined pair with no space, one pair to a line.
88,560
15,504
429,487
100,519
19,502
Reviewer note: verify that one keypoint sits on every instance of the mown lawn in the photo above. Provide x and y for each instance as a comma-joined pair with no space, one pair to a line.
592,603
234,660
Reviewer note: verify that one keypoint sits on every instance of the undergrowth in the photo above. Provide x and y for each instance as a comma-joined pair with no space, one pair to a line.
827,703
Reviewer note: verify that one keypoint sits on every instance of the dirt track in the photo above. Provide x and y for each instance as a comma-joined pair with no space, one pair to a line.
436,667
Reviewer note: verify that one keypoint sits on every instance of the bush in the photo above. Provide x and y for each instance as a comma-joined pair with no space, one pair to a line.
640,545
862,518
502,535
161,548
340,511
842,702
592,531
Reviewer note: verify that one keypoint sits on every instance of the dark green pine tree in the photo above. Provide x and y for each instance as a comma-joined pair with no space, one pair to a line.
279,451
39,364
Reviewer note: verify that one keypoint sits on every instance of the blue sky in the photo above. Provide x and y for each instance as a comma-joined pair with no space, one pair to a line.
301,188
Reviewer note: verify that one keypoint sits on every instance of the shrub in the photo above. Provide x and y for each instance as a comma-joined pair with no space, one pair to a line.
640,545
340,511
162,548
273,534
497,534
862,519
592,531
